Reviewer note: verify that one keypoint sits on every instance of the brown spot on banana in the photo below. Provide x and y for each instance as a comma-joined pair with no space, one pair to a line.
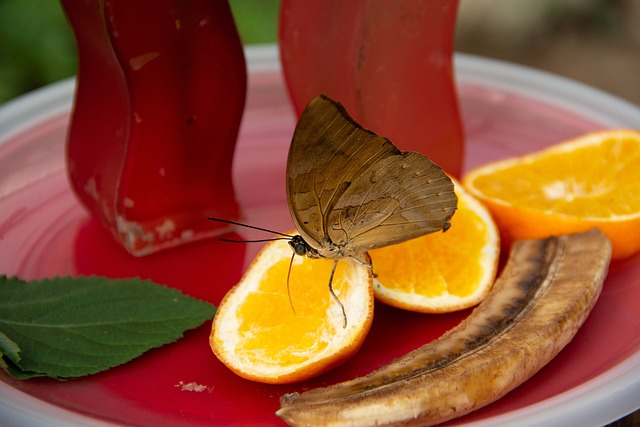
541,299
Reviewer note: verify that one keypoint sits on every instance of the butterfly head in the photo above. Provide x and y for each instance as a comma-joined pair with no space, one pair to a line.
302,248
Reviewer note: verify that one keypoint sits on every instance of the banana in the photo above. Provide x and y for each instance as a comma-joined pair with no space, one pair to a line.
541,299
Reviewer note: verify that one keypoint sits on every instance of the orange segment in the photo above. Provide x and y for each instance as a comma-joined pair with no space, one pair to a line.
591,181
441,272
258,335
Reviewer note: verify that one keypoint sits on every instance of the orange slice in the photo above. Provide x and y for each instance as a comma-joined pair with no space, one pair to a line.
257,334
591,181
441,272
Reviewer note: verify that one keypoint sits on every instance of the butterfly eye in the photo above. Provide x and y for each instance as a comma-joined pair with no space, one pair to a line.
298,245
300,249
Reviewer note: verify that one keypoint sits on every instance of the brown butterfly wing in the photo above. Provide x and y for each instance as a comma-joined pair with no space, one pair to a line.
327,151
401,197
350,188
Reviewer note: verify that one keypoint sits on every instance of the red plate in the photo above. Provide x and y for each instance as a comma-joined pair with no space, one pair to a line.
508,110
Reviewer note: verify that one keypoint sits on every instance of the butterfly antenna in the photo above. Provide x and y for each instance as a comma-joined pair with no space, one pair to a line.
227,221
333,294
222,239
288,287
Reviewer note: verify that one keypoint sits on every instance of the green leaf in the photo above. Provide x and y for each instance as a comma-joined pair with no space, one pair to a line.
9,356
69,327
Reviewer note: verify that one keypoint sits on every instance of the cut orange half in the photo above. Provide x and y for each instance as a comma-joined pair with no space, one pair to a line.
262,335
591,181
441,272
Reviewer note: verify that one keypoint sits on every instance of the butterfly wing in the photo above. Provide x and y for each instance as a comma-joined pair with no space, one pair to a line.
350,188
327,152
400,197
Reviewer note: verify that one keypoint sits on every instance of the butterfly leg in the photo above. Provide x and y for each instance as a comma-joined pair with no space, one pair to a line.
288,287
333,294
365,260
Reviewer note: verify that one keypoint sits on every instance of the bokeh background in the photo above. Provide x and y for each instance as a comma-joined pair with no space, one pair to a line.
596,42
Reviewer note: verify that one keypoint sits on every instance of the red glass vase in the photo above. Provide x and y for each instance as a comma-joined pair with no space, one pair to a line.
160,94
388,62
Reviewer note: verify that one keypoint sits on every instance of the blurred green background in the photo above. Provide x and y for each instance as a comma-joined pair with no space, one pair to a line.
593,41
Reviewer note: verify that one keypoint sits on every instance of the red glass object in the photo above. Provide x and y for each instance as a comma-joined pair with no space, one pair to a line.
388,62
160,94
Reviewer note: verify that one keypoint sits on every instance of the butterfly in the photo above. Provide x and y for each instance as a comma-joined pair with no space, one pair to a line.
350,190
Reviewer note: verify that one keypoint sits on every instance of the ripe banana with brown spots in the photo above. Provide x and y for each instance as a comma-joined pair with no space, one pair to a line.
541,299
